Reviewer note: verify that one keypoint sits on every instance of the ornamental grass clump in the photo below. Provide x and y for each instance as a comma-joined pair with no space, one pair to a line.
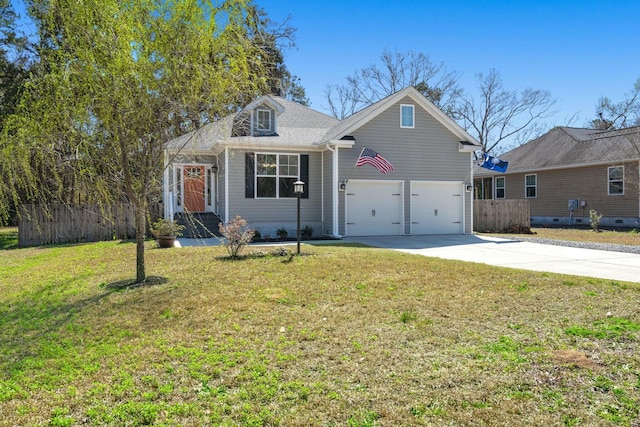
594,219
237,235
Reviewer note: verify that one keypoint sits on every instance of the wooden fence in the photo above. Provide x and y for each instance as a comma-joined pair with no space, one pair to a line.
501,215
59,223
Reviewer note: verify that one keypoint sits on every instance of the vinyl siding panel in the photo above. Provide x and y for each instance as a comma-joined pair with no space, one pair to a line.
270,212
588,184
428,152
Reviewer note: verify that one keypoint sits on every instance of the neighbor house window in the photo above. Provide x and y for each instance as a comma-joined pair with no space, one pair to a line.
406,116
500,187
275,175
616,180
530,186
264,120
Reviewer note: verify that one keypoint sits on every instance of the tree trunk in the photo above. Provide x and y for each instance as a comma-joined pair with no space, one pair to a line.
141,229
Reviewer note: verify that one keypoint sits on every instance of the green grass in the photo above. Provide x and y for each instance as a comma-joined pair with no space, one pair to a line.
309,340
8,237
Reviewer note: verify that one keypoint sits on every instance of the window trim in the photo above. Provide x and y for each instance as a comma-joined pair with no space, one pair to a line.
413,116
610,181
535,186
277,175
258,127
503,188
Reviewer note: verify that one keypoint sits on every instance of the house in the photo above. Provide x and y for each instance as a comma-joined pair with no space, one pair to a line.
247,163
568,172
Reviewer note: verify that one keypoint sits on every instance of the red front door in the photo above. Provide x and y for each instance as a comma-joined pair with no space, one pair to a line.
194,188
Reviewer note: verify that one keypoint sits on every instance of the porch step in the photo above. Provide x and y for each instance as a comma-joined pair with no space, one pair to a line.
198,225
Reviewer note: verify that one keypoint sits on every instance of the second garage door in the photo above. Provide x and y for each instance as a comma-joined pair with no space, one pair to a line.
436,207
374,208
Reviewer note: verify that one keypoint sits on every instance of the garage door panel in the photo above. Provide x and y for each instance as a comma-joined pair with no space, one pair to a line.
436,208
374,208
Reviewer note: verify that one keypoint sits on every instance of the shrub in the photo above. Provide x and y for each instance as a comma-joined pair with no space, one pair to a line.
594,219
166,227
282,233
306,232
236,234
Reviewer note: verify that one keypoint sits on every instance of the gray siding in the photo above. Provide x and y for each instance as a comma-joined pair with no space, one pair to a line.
428,152
267,215
588,184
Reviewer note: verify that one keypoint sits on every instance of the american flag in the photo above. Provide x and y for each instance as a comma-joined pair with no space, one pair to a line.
369,156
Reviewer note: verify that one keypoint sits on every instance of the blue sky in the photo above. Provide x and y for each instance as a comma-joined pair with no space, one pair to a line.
578,50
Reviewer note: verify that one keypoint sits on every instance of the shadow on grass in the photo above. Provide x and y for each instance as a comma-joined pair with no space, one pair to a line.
31,324
8,239
123,285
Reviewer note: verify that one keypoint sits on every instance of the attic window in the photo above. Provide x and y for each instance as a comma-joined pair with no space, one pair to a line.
407,116
263,120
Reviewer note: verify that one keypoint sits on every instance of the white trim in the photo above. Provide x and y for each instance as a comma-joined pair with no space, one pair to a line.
413,116
504,187
420,100
277,176
609,180
526,186
180,166
263,110
226,184
471,195
166,197
334,191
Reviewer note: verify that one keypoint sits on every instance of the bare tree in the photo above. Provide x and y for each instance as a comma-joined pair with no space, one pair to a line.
618,115
498,113
397,71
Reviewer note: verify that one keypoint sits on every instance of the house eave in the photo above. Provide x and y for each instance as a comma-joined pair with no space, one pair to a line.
555,167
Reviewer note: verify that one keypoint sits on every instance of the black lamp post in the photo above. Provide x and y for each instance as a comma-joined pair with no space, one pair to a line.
298,189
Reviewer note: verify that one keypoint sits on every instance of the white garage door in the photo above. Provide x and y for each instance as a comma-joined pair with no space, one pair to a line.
436,207
374,208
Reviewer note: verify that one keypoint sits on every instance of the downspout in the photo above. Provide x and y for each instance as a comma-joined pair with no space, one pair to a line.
226,184
334,190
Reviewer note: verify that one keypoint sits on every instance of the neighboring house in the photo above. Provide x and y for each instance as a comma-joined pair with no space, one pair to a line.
569,171
246,165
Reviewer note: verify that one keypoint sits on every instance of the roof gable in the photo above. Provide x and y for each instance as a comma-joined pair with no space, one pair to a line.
364,116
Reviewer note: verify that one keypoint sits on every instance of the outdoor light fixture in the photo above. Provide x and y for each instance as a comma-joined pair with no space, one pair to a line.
298,189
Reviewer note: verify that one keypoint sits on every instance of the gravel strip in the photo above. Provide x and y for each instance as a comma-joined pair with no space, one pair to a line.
633,249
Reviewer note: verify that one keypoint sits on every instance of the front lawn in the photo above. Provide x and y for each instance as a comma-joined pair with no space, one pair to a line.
622,237
341,335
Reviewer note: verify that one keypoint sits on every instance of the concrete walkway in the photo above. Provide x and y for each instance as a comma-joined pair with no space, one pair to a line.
515,254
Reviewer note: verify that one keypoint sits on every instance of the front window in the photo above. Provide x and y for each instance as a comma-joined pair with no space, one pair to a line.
500,187
406,116
275,175
616,180
530,186
264,120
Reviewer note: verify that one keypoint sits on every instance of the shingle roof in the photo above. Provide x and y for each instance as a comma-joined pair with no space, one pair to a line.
298,125
564,147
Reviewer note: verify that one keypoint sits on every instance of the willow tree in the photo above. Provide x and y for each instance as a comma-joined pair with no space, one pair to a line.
120,78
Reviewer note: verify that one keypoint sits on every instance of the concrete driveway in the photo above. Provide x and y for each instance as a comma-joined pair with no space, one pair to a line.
515,254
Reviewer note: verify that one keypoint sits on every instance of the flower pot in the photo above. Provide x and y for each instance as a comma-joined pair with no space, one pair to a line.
165,241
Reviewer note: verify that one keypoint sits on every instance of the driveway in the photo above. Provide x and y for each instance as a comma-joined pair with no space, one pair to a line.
515,254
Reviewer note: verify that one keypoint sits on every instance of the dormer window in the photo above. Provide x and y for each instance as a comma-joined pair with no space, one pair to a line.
263,120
